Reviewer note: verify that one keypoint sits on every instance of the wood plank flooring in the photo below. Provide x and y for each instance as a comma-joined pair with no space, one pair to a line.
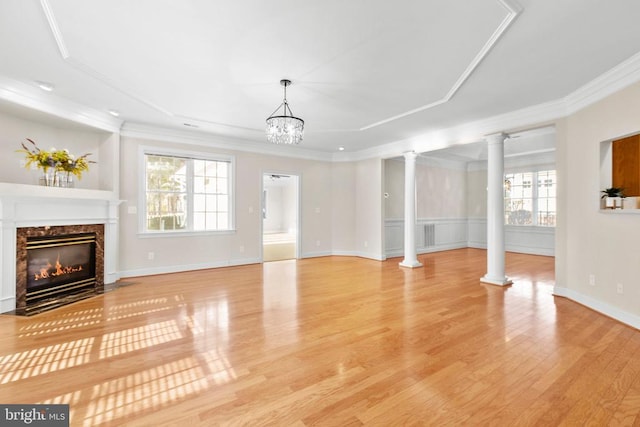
334,341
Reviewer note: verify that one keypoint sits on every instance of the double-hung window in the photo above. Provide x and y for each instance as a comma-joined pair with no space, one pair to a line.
188,193
530,198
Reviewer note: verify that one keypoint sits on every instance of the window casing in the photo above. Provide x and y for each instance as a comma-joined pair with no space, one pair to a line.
186,192
530,198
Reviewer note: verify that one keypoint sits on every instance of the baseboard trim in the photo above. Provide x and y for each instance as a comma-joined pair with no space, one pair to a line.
599,306
530,250
316,254
7,304
187,267
438,248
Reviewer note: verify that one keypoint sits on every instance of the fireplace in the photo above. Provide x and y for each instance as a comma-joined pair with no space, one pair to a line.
57,266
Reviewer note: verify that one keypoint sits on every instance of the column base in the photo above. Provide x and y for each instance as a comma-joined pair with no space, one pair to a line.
505,281
410,264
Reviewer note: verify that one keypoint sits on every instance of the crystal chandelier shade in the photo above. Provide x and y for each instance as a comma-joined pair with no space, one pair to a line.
284,128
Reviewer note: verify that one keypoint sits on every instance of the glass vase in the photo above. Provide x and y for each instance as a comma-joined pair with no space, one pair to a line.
65,180
54,178
49,178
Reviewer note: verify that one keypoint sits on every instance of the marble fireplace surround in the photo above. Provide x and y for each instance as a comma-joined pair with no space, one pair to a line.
23,206
23,235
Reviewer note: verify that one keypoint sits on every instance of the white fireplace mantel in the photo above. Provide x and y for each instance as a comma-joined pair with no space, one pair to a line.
38,206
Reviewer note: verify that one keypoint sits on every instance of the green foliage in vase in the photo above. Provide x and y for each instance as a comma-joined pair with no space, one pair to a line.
613,192
58,160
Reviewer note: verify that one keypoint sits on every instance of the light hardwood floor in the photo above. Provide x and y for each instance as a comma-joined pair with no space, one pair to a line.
335,341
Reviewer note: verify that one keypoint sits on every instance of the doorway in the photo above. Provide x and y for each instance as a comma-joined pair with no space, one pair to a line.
280,223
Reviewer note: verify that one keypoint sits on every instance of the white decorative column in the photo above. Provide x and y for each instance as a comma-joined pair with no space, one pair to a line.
410,258
495,211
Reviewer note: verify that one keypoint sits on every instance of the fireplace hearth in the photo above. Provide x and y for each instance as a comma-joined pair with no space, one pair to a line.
57,266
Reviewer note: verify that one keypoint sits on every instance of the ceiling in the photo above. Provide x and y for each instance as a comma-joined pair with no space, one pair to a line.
365,72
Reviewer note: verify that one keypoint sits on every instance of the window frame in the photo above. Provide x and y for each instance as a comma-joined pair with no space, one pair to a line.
535,170
192,155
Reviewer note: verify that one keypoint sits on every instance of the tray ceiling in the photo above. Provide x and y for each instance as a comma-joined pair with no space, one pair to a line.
364,72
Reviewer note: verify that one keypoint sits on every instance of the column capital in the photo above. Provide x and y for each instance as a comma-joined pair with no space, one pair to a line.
410,155
496,138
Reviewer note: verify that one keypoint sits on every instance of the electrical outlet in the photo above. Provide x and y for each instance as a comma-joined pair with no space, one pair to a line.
620,288
366,243
241,249
592,279
151,256
317,242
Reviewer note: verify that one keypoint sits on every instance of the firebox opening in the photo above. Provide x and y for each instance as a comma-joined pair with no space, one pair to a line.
60,267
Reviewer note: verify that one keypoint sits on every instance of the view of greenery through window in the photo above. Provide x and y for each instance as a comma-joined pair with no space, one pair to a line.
186,194
530,198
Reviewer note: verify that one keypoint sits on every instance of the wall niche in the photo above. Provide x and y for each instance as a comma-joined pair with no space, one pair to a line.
620,168
626,165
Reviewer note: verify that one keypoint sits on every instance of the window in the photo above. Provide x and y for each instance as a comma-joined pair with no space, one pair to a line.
184,193
530,198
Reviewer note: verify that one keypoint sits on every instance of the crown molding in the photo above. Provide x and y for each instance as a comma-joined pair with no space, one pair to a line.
468,132
624,74
619,77
135,130
28,96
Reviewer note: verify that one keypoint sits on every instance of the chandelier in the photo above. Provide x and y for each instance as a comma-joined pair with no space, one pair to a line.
285,128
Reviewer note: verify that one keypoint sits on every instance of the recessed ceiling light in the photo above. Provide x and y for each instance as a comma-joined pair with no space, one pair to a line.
114,113
191,125
341,148
45,86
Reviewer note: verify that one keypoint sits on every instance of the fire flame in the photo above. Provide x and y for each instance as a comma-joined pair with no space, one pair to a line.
60,270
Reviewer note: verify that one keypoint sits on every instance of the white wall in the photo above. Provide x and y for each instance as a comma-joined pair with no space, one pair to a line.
591,242
241,246
369,209
440,189
477,190
343,214
394,188
79,140
273,221
290,206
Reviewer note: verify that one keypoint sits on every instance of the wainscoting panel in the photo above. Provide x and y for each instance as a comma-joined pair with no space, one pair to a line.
522,239
432,235
440,234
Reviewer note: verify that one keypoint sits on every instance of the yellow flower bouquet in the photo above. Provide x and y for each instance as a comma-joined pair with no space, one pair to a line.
57,165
